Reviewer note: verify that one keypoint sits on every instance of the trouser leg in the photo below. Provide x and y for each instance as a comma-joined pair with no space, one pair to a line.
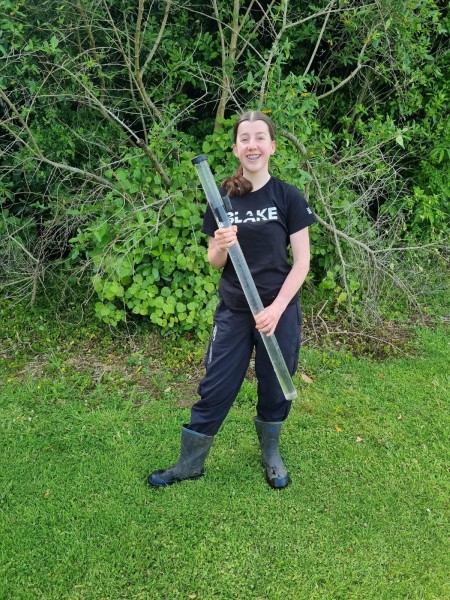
273,408
226,364
272,405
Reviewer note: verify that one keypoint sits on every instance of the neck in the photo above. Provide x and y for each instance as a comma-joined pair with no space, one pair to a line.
258,180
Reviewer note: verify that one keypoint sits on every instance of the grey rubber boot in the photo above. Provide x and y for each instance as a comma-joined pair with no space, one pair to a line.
269,435
194,450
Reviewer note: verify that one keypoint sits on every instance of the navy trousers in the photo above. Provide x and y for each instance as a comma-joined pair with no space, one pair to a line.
227,360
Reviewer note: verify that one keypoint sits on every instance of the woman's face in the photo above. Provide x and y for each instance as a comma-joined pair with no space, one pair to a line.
253,147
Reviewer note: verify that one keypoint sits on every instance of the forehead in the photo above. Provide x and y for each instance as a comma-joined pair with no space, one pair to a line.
252,128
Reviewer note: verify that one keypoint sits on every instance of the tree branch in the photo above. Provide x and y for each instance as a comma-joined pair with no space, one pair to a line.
227,69
93,47
40,156
322,31
106,112
355,71
159,37
246,40
337,233
135,76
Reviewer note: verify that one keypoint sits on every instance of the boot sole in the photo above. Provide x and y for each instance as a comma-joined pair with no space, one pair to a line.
171,482
273,484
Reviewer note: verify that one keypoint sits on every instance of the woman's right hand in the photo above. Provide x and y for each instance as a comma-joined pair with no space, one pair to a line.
225,237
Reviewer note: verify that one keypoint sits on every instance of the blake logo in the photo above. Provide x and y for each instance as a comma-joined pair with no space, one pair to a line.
266,214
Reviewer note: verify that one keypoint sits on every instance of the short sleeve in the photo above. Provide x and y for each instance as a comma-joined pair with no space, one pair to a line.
300,214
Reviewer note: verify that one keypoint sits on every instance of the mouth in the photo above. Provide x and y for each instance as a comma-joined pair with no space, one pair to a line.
252,157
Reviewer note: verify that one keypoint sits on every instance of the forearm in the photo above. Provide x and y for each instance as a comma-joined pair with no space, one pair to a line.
297,275
217,257
267,320
292,283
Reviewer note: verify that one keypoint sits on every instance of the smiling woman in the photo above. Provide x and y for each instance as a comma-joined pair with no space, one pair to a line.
267,215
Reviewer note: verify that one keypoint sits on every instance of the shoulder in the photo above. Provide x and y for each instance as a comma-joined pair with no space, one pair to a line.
298,211
286,191
286,188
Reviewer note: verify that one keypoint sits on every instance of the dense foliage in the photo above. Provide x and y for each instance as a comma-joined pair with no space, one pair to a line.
105,103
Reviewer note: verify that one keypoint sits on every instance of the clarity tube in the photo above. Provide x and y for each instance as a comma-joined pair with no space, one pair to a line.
217,204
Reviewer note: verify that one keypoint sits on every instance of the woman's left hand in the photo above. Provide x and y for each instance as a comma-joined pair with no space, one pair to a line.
267,320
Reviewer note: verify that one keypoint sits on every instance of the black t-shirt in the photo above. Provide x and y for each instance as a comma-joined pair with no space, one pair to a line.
265,220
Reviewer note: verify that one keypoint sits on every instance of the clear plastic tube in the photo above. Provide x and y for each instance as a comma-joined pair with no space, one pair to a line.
219,208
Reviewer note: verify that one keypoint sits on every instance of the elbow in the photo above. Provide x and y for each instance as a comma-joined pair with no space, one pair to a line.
308,265
304,264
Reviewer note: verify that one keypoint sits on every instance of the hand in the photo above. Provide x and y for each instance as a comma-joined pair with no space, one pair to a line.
267,320
225,237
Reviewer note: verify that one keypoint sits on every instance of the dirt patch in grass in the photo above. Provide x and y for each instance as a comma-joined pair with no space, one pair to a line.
388,339
157,367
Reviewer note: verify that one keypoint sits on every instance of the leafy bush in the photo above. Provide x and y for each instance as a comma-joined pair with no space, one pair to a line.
104,103
147,251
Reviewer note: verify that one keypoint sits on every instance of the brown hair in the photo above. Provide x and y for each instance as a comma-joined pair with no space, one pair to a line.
237,184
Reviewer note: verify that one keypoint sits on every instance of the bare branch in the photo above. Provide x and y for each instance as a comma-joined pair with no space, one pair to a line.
319,39
106,112
36,150
230,57
22,247
284,27
337,234
92,46
159,37
134,76
355,71
18,116
245,41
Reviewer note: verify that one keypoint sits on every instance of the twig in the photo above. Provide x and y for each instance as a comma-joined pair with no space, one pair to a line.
359,66
159,36
319,39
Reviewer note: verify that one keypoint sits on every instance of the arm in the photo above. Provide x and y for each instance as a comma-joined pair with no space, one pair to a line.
218,246
267,320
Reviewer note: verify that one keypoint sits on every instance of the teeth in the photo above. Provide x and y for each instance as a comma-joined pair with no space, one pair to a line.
253,156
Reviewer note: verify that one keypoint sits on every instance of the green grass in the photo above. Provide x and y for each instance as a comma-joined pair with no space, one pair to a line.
83,421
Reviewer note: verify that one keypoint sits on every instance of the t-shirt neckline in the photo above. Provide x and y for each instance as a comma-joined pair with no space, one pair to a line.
262,187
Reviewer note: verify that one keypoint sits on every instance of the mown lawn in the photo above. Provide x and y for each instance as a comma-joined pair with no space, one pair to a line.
366,516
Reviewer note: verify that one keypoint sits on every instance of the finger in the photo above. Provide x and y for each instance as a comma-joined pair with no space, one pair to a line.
264,326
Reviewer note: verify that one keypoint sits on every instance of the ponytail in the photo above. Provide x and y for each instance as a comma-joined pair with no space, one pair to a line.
237,184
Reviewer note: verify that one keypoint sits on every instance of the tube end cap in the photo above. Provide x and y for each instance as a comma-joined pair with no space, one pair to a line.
198,159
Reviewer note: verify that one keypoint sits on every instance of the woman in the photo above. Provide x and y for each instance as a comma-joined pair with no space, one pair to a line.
268,215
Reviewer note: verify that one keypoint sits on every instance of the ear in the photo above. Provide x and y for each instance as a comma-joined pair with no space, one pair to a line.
234,150
274,147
